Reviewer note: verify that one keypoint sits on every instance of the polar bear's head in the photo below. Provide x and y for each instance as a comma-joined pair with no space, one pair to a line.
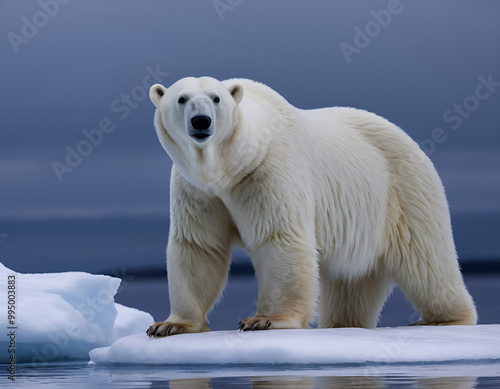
195,111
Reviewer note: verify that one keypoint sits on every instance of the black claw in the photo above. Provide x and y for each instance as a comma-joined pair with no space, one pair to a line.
268,324
169,329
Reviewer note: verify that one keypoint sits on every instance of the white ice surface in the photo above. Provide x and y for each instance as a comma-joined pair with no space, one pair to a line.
64,315
319,346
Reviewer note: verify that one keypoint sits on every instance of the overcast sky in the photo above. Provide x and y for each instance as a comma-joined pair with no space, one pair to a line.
67,69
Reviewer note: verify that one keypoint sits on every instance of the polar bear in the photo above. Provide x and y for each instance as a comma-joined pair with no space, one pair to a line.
333,204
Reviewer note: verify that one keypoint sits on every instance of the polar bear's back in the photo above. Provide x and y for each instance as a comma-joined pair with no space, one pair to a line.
367,173
369,127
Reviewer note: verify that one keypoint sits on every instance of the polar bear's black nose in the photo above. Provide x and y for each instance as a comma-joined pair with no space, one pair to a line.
201,122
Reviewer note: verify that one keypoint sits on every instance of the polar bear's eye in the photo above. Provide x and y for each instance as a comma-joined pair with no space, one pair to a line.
216,99
181,100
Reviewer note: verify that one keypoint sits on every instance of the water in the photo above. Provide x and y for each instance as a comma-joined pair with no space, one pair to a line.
82,375
238,302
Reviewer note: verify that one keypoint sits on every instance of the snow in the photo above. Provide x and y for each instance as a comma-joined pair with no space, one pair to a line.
61,316
73,315
319,346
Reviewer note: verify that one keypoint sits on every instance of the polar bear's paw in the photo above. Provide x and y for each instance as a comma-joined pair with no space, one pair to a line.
255,323
161,329
258,322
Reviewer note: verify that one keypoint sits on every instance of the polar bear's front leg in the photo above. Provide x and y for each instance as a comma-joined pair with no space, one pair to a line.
287,271
198,257
196,278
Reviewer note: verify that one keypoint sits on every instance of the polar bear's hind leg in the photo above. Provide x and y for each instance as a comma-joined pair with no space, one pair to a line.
353,303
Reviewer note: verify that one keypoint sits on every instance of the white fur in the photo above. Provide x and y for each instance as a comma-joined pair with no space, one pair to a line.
335,203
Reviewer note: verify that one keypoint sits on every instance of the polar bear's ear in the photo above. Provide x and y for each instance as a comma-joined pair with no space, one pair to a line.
156,92
236,91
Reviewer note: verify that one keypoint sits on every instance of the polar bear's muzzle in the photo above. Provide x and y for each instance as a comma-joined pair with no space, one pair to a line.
200,127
